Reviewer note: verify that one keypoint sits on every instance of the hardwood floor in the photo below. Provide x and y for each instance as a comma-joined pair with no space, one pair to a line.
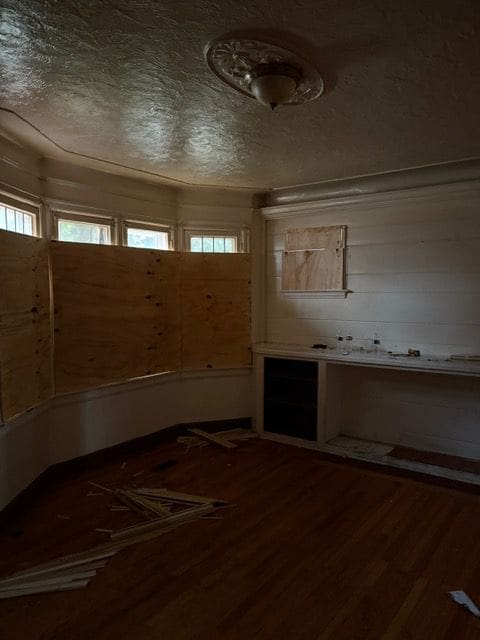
313,549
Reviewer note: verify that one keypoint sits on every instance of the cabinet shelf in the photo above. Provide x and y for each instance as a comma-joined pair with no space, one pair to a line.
291,403
290,397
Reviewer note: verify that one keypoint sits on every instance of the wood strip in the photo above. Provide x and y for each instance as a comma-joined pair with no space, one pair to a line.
15,593
154,507
57,580
134,504
66,562
213,438
176,496
237,434
53,573
174,518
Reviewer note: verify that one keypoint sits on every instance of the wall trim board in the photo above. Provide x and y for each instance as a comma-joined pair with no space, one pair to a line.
82,423
115,388
142,382
341,203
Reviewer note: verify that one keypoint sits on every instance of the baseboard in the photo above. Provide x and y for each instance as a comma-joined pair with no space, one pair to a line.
62,471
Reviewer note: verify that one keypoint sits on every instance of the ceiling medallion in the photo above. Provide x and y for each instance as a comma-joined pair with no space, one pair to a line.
269,73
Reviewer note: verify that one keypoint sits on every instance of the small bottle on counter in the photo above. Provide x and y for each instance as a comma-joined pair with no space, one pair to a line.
348,344
375,344
339,344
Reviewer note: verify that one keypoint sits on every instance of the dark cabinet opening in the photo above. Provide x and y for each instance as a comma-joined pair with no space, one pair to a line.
290,397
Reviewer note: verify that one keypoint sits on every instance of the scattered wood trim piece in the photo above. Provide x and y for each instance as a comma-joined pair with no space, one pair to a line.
212,437
175,496
66,562
54,573
175,518
19,591
52,581
99,486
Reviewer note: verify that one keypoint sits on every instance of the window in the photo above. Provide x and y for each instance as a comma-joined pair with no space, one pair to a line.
218,241
81,228
213,244
147,236
13,219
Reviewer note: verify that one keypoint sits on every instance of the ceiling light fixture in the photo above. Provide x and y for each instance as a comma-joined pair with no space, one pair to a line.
269,73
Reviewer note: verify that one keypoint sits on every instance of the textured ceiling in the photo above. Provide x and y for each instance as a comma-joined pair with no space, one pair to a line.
125,81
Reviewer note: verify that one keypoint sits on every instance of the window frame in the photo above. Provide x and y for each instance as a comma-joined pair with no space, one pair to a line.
147,226
25,208
240,235
105,221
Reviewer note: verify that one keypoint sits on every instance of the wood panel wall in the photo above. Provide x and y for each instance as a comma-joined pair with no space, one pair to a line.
122,313
215,299
25,330
413,267
115,314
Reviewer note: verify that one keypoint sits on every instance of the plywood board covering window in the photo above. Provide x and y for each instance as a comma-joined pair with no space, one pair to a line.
25,332
314,259
116,314
215,298
122,313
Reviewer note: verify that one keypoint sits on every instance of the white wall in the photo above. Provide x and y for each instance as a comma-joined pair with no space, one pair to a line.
77,424
413,266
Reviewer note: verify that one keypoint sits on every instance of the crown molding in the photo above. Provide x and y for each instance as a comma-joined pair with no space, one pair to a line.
400,180
375,200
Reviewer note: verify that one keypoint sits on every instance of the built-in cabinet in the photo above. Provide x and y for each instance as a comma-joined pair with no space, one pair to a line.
313,397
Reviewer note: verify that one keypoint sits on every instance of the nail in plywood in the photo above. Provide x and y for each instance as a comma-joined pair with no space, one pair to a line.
215,300
25,332
314,259
116,314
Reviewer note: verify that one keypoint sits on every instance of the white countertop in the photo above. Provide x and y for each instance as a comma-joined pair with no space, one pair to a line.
365,359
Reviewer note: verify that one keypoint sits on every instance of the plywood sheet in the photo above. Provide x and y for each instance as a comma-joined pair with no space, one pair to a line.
314,259
216,314
327,238
25,331
116,314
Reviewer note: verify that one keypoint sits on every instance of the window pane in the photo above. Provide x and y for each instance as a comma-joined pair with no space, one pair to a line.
19,221
196,244
230,245
147,239
10,219
207,245
219,245
28,224
79,231
3,218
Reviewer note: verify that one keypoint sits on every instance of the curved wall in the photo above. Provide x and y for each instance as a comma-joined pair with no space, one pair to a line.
68,426
73,425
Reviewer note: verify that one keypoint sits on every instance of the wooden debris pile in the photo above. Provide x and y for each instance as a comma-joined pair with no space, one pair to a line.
64,574
163,511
